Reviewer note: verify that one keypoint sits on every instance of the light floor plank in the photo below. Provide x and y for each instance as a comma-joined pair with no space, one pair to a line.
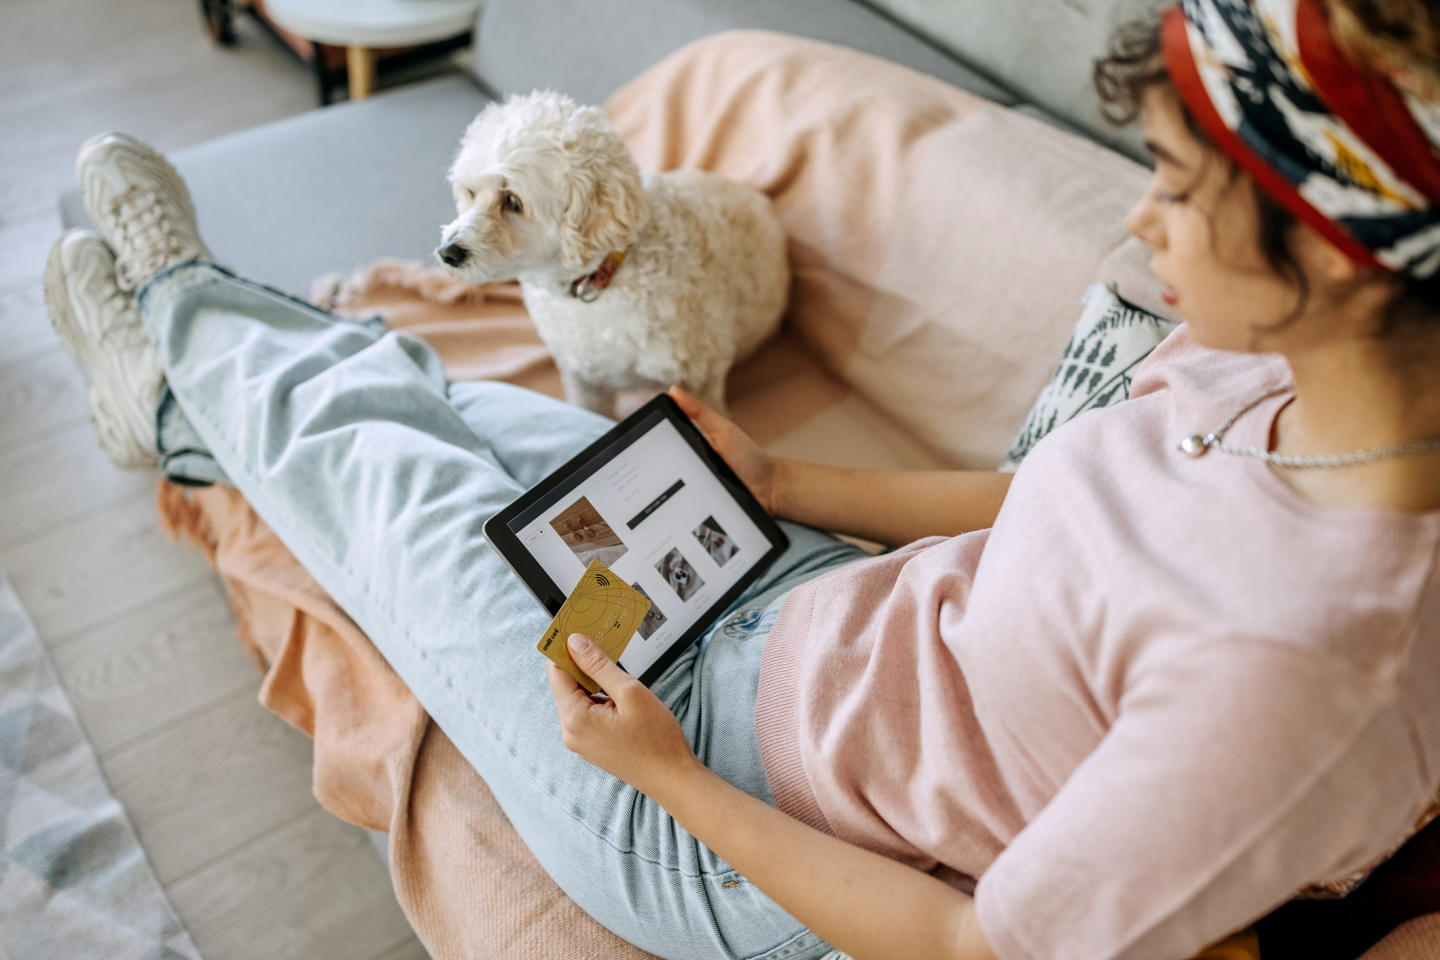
58,477
145,67
77,575
218,788
24,328
39,396
26,245
212,782
411,949
30,183
259,903
149,668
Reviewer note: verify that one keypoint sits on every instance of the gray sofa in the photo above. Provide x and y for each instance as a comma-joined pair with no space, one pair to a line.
341,186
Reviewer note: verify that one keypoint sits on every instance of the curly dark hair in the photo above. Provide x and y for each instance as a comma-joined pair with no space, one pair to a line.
1393,35
1134,65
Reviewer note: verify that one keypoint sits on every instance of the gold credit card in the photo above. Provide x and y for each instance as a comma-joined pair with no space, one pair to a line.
604,608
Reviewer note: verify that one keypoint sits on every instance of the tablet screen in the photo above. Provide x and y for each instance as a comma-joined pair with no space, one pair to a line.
648,506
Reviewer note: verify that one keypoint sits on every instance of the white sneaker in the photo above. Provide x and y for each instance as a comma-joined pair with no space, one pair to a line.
100,324
139,204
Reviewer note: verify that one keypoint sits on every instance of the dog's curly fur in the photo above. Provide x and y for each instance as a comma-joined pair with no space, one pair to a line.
545,190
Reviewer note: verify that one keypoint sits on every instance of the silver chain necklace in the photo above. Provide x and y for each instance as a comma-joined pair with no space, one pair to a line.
1196,445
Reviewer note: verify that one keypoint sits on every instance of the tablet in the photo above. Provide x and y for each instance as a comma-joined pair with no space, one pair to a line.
655,503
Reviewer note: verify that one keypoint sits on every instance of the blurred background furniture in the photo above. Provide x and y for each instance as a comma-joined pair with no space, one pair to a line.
342,40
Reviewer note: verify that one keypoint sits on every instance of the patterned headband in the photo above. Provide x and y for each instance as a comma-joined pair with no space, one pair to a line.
1336,145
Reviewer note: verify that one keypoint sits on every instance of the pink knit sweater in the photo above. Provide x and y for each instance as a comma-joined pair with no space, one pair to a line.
1156,699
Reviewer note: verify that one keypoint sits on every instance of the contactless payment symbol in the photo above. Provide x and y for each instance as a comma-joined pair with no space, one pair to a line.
603,608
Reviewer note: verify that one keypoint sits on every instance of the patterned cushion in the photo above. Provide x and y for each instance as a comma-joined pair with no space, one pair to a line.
1111,338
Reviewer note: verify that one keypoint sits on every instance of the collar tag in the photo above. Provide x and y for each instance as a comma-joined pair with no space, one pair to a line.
587,289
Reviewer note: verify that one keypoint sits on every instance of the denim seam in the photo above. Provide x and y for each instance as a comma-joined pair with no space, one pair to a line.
201,280
788,947
165,394
175,267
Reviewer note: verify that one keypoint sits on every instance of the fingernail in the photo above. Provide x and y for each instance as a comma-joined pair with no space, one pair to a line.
579,643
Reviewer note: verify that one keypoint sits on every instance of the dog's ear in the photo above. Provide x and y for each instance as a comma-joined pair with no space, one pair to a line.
605,204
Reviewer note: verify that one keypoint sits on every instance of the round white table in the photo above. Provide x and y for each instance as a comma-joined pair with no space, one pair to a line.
360,26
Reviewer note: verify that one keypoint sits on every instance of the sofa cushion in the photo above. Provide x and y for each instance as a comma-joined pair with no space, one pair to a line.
1110,340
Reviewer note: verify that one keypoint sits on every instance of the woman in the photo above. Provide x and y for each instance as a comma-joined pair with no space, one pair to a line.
1188,669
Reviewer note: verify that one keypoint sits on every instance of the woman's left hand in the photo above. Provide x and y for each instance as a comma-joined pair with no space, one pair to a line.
632,735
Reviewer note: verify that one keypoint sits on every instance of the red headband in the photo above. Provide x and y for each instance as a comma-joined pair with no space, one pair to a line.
1334,144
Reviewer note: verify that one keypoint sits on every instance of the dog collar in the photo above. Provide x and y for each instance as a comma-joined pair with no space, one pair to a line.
588,287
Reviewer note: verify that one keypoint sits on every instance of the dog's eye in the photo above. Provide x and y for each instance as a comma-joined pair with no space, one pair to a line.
511,203
468,194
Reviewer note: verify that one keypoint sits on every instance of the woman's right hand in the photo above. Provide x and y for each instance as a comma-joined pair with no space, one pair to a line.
752,465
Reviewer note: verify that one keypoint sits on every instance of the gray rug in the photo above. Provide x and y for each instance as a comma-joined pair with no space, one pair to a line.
74,882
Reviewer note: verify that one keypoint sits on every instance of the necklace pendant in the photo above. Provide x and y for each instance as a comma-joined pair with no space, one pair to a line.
1193,445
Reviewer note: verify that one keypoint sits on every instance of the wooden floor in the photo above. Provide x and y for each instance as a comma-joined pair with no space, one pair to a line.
218,788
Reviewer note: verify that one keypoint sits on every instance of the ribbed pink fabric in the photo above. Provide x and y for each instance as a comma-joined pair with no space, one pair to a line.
1159,697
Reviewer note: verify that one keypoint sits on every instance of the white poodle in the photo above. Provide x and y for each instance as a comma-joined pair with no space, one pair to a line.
633,281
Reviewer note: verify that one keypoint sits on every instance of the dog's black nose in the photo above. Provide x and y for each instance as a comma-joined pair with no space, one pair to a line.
453,254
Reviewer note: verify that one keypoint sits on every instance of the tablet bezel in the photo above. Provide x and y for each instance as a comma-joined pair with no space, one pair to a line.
588,462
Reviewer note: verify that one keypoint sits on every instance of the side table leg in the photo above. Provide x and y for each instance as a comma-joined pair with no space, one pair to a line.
322,75
361,64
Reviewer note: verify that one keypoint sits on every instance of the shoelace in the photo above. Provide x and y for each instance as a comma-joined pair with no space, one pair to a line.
138,218
130,333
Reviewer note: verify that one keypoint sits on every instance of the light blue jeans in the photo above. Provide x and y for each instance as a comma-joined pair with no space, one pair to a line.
379,477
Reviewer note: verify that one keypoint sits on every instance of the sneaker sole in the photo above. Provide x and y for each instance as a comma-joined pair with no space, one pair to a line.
77,343
57,300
